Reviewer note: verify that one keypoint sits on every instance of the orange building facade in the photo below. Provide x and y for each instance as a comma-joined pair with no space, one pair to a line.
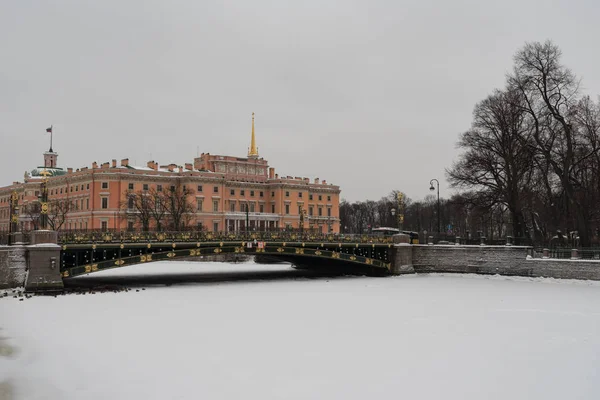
226,194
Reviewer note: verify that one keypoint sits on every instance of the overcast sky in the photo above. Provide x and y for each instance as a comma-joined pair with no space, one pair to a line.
369,95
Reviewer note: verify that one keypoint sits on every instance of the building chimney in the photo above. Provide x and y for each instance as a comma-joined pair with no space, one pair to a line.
69,170
171,167
125,162
324,182
189,166
276,176
180,169
150,164
94,165
105,165
316,181
271,173
114,163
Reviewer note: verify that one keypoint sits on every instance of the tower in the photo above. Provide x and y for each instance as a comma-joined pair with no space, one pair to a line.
50,158
253,151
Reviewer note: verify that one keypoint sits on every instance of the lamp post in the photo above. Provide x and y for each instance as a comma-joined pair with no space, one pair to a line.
393,211
438,201
247,216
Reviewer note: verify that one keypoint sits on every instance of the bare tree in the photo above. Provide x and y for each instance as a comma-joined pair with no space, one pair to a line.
58,209
33,212
176,201
498,155
550,92
139,205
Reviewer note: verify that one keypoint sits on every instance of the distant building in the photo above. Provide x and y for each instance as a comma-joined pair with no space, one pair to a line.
223,188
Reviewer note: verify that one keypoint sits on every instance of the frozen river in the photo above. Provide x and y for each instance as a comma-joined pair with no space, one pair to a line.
417,337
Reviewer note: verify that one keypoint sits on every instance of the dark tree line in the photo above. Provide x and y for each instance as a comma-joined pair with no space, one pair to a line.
534,148
529,167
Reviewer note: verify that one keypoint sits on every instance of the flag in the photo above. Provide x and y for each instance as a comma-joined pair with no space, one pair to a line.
49,130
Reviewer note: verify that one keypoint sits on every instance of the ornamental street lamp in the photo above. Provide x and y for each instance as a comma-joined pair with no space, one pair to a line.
302,217
438,201
393,211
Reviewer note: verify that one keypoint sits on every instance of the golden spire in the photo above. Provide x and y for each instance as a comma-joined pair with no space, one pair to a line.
253,152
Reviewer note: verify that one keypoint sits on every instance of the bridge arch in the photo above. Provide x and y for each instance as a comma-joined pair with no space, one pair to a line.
85,259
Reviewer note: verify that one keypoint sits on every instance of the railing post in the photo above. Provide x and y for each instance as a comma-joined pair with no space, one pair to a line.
457,241
546,253
574,254
430,240
509,240
482,241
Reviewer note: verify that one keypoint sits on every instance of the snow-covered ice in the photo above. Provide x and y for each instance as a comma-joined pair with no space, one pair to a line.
418,336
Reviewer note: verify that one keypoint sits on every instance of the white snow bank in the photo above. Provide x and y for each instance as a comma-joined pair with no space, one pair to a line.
418,337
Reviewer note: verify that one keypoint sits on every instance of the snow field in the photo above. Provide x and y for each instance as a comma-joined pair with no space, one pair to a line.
421,336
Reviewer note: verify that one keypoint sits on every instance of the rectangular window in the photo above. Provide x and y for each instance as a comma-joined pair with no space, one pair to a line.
232,206
242,192
273,208
130,186
261,208
159,188
216,226
299,210
71,190
261,194
88,186
82,188
310,197
87,204
310,211
328,198
232,192
145,186
216,189
216,205
328,211
61,190
77,188
251,207
199,188
272,194
104,225
200,204
287,208
172,188
287,194
130,202
252,193
320,211
130,225
104,202
320,197
300,194
104,185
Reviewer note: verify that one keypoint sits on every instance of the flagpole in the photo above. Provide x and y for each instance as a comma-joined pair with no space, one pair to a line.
51,137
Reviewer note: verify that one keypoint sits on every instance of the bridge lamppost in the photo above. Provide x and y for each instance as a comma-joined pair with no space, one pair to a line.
247,216
438,202
393,211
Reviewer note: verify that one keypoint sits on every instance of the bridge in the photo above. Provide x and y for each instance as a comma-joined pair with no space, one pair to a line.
53,257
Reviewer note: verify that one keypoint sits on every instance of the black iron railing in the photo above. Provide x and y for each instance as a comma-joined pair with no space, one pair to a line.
70,237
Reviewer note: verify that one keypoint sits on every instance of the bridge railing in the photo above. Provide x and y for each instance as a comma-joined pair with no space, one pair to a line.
73,237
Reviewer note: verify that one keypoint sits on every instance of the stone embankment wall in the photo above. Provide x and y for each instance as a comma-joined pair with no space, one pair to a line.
13,266
502,260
